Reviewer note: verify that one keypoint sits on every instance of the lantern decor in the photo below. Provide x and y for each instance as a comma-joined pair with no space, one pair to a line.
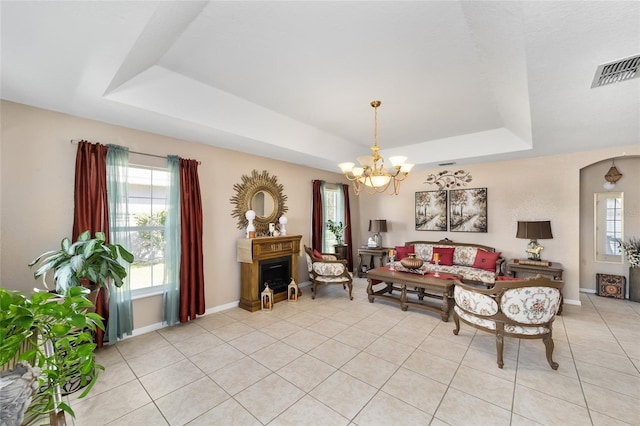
266,299
293,291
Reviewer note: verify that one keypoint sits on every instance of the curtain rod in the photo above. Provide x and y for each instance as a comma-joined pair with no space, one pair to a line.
75,142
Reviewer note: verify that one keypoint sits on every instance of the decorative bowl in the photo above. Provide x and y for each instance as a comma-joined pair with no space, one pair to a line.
411,262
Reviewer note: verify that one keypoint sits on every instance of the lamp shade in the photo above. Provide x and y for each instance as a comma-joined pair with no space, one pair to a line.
378,225
537,230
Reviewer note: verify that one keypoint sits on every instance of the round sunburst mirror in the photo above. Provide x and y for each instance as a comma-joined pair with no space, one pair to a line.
262,194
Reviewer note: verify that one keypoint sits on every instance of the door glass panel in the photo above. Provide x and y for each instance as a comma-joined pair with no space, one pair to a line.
609,215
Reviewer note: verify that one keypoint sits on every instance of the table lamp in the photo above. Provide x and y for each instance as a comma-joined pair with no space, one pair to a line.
534,231
377,226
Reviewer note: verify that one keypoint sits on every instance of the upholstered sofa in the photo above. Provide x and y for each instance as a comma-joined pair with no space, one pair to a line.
476,263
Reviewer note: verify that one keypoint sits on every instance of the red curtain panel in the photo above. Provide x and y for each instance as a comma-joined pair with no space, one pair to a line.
191,258
316,217
91,207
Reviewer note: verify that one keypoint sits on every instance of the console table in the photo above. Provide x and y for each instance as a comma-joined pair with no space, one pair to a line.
555,270
373,252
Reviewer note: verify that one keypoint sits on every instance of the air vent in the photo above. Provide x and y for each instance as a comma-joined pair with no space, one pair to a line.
447,164
613,72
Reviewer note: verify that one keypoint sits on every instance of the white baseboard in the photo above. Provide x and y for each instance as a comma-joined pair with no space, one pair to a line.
572,302
215,309
587,290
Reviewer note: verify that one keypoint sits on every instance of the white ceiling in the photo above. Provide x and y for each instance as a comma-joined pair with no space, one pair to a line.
459,81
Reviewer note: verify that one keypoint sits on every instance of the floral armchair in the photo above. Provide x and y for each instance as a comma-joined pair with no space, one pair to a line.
327,270
522,308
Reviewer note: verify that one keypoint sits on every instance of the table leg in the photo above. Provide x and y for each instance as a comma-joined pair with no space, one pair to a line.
370,290
403,297
445,305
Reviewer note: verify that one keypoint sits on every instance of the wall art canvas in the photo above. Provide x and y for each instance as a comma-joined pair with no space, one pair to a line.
431,211
468,210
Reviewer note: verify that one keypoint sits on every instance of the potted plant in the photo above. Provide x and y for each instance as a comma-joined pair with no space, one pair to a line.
631,249
52,334
337,229
87,259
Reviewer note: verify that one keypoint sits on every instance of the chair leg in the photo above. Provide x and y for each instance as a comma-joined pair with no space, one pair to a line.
548,344
313,290
499,343
350,289
457,321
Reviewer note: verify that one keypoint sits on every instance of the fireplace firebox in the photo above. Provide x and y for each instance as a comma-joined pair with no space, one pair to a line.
276,273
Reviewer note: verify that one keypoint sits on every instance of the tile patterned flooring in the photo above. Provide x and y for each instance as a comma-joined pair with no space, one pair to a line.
332,361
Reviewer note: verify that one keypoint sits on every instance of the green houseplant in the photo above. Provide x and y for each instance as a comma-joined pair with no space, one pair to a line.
337,229
90,259
58,331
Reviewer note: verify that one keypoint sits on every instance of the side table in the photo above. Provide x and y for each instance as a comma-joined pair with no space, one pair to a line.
555,270
373,252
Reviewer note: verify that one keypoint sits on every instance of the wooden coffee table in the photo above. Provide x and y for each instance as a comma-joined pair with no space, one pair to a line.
428,288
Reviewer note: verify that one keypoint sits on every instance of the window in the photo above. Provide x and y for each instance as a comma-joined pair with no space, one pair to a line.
147,188
608,226
333,208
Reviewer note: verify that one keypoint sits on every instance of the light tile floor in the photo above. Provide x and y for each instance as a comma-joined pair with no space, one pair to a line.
332,361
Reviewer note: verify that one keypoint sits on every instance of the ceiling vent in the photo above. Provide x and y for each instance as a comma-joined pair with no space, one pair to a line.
620,70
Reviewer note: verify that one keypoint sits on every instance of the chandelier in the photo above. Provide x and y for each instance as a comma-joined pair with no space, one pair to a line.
372,175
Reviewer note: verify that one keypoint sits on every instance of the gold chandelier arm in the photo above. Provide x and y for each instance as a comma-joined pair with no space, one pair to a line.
372,176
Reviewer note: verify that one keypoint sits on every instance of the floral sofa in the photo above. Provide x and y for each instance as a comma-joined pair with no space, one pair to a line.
477,264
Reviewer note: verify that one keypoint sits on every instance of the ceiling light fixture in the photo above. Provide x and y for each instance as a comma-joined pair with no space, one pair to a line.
372,175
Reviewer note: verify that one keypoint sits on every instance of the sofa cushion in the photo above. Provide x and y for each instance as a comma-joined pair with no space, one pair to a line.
424,252
446,255
486,260
403,251
317,254
464,255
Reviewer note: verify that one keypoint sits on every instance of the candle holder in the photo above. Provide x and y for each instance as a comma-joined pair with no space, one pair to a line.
293,291
266,299
437,271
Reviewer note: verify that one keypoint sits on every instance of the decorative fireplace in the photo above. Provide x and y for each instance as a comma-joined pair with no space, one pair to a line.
266,259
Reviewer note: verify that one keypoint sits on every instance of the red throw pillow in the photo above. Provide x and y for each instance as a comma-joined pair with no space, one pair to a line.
403,251
317,254
503,278
486,260
446,255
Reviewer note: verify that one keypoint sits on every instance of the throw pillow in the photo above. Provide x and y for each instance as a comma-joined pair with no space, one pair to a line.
446,255
317,254
403,251
486,260
504,278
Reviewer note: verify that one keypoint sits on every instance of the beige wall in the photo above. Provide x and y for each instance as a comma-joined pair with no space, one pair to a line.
38,163
37,168
545,188
591,180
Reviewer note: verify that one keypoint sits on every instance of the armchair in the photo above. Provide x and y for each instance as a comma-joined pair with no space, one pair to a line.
327,270
522,308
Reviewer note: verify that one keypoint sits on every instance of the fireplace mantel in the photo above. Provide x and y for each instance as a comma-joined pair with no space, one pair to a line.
250,252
